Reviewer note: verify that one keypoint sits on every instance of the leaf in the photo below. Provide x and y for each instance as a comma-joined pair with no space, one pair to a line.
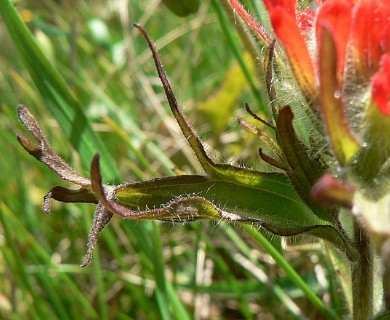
266,199
304,171
226,192
272,205
235,194
44,152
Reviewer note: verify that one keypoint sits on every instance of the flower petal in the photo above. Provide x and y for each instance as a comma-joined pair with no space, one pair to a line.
381,86
329,190
288,32
335,16
288,5
370,34
305,19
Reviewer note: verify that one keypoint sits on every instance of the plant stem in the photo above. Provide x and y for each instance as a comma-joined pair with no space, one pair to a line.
385,258
362,276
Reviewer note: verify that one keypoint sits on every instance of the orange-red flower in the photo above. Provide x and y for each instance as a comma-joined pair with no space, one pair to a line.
287,27
381,86
337,45
370,34
360,30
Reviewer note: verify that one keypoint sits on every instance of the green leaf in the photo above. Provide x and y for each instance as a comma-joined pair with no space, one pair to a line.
266,198
304,171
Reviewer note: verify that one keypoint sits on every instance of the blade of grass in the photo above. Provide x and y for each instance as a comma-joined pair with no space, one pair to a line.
227,30
293,275
52,296
223,269
40,253
147,242
177,306
22,276
157,259
276,289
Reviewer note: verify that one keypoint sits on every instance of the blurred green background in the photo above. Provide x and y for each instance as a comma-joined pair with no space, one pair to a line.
140,270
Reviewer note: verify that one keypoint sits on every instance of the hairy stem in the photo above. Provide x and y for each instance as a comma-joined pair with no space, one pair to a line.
362,276
385,258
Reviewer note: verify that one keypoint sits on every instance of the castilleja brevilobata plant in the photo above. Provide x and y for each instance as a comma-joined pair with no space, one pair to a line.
331,183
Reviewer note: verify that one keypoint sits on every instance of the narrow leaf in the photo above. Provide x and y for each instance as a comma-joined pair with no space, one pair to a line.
268,64
272,203
303,171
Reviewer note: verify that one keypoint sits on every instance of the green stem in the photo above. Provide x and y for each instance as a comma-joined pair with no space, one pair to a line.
362,277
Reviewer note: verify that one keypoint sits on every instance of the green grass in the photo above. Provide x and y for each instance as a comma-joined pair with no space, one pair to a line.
140,270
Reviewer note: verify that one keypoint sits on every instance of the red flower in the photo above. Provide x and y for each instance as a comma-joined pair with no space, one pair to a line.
336,16
370,34
359,28
351,50
381,86
289,31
